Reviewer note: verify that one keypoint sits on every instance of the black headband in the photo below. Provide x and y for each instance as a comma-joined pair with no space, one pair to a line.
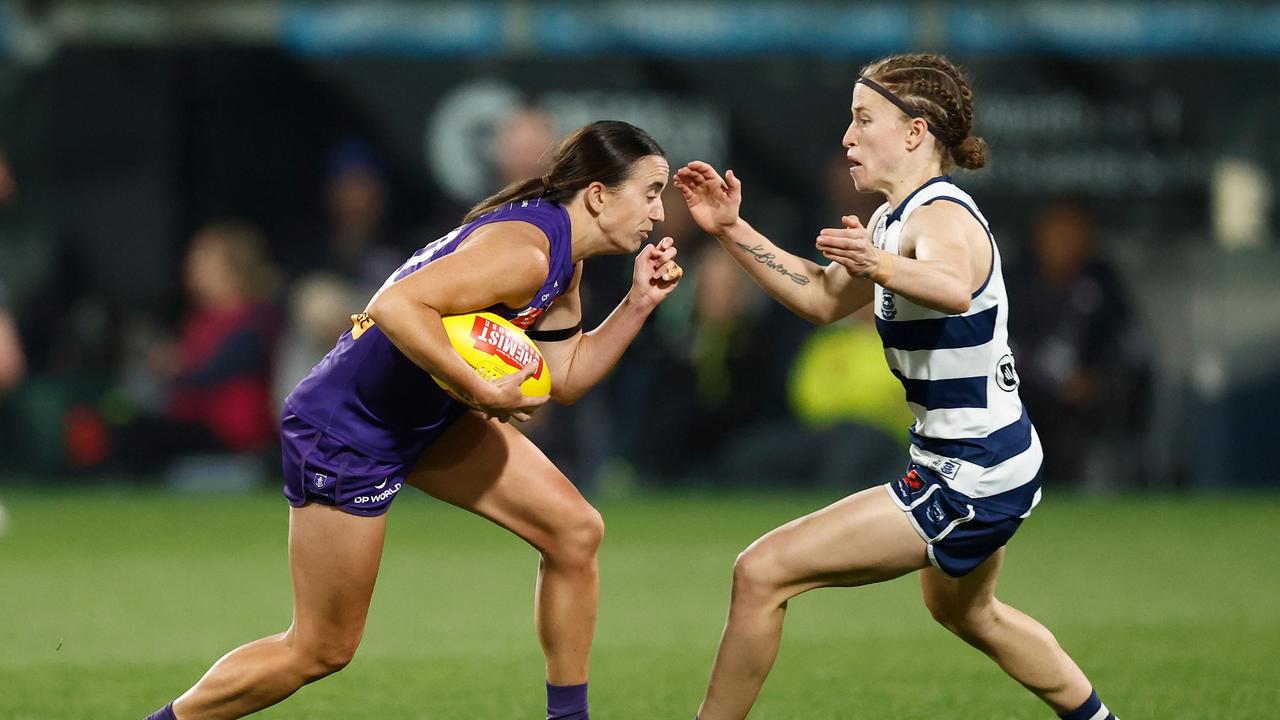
905,108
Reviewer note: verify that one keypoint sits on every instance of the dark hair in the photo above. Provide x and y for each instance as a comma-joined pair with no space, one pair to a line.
935,87
602,151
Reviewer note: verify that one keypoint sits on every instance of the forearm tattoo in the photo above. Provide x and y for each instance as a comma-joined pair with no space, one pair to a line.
765,257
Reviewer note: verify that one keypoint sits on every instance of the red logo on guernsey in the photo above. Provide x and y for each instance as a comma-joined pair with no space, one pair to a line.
527,318
496,340
912,479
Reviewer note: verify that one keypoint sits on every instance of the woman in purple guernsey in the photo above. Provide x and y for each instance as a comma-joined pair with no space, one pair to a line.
368,420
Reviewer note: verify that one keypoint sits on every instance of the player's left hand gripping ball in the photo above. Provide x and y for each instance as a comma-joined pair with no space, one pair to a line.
495,348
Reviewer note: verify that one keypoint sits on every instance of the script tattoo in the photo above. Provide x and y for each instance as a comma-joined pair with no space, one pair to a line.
765,257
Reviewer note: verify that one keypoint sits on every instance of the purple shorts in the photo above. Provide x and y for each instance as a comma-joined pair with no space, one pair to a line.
321,468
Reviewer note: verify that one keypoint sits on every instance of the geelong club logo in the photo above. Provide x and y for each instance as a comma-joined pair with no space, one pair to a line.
888,310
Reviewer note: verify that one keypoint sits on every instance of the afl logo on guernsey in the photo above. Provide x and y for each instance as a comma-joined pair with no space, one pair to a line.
888,310
1006,374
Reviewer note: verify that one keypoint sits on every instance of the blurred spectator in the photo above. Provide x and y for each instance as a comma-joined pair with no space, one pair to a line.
1084,363
218,373
357,242
840,376
522,146
320,309
12,359
8,186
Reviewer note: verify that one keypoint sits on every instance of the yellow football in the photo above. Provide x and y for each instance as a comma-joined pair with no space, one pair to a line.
495,348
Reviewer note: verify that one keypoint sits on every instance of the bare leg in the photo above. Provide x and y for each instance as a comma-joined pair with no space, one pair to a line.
334,558
1022,647
491,469
861,539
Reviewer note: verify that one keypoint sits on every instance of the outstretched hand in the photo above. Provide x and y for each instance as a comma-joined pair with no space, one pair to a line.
713,202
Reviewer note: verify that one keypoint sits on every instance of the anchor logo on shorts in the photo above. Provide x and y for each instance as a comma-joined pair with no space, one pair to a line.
321,479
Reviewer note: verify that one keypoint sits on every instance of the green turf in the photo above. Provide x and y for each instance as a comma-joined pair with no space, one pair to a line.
112,603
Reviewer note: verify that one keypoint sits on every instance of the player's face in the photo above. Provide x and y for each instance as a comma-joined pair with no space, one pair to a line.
875,140
630,211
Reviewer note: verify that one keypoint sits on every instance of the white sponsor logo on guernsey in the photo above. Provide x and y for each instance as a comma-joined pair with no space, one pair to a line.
366,499
380,485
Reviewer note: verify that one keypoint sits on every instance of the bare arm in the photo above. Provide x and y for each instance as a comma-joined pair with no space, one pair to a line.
579,362
819,294
500,263
936,267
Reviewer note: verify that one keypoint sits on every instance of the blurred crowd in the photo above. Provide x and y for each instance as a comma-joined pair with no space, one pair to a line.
724,388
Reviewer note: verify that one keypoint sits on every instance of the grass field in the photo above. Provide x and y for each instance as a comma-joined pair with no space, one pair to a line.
112,603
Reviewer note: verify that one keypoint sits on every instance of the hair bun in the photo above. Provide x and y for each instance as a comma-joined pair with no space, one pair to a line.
970,153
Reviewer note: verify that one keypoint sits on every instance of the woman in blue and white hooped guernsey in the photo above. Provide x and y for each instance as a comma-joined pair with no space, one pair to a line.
929,264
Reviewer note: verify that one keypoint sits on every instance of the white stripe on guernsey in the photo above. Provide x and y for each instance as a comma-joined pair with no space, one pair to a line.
908,310
943,365
960,423
955,423
952,423
979,482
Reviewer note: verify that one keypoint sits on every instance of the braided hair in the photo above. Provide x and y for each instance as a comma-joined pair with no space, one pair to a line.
935,87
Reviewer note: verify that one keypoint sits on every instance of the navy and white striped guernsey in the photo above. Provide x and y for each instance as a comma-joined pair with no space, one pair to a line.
958,372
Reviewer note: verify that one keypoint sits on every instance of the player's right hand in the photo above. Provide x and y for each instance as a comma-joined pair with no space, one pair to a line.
713,202
502,399
851,246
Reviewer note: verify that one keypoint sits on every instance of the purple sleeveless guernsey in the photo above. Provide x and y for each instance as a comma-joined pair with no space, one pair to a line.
368,397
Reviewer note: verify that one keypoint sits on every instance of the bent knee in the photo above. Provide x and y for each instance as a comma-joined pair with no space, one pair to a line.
577,539
326,658
755,574
968,621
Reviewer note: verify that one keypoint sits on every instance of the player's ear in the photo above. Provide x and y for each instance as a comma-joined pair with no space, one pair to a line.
593,195
917,129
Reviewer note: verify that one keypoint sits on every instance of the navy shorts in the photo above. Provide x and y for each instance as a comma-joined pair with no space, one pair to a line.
320,468
961,531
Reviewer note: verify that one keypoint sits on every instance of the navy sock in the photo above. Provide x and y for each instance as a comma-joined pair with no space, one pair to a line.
567,702
164,713
1092,709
